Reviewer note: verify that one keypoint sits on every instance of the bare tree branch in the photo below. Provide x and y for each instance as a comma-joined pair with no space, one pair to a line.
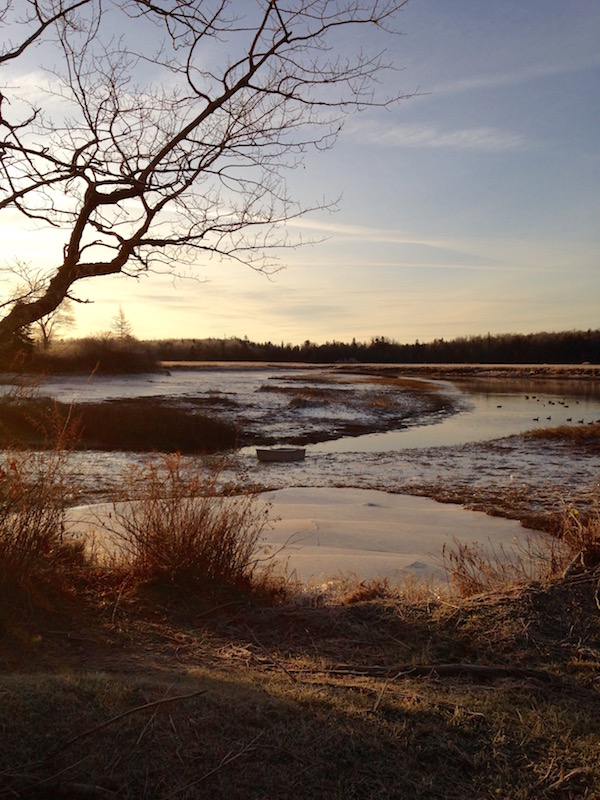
174,137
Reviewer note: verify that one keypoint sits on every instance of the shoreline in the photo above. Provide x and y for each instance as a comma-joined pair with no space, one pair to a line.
529,371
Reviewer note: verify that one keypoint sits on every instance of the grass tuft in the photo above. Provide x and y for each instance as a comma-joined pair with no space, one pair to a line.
178,526
475,568
34,492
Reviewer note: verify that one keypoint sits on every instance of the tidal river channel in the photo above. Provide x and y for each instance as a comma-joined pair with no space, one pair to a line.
458,441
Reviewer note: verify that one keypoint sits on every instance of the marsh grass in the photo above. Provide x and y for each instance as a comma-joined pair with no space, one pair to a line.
343,697
371,693
178,524
586,436
580,534
35,489
475,568
124,425
152,426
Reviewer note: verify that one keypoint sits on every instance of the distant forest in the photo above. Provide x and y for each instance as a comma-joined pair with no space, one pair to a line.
123,353
572,347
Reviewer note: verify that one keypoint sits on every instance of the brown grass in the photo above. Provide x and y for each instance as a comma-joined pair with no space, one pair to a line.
490,698
177,525
573,541
135,425
34,492
586,436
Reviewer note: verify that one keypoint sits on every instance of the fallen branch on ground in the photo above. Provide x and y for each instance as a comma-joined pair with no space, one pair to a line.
127,713
445,670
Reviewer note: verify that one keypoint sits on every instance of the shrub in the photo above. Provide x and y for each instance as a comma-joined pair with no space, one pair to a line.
179,526
34,491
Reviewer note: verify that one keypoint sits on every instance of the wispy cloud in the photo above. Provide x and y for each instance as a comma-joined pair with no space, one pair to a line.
485,139
515,77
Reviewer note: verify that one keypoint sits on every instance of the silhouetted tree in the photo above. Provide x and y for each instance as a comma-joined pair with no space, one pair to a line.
171,139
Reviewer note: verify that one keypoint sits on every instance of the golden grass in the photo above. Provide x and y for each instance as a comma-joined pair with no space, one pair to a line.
574,541
587,436
177,525
34,492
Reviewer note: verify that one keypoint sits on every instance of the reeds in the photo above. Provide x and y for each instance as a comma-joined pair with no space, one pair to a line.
475,568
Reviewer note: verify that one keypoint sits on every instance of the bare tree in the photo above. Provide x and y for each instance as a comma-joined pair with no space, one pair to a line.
166,127
55,323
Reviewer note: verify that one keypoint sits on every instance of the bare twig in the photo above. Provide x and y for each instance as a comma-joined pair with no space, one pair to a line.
228,759
127,713
445,670
277,663
579,772
380,696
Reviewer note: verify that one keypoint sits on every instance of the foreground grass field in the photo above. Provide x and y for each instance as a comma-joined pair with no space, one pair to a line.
157,694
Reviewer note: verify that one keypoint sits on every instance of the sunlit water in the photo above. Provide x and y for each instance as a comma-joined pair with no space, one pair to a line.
486,415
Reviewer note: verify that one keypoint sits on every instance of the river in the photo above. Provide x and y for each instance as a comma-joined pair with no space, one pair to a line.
466,449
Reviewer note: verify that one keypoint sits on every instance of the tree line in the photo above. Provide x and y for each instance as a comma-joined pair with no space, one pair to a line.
570,347
119,351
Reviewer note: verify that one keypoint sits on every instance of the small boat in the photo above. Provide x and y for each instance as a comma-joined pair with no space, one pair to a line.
281,453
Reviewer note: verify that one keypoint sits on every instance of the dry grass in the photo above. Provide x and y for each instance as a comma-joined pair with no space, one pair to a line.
177,525
34,492
379,694
135,425
585,436
488,698
474,568
410,384
580,535
374,693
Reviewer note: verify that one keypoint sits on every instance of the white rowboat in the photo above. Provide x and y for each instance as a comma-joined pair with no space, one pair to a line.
281,453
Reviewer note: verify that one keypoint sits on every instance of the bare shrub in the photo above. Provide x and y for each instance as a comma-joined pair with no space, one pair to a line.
178,524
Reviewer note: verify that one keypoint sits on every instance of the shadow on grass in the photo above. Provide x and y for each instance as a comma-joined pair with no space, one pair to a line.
251,703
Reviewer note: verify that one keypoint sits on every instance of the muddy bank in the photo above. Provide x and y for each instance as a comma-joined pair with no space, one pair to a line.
530,480
518,477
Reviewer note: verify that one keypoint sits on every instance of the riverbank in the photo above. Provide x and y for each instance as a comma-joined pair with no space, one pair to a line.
520,477
156,694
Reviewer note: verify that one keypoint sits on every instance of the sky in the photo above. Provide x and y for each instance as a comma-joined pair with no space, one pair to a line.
472,207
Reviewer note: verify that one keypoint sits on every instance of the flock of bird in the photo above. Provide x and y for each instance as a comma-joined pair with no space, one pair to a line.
562,403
